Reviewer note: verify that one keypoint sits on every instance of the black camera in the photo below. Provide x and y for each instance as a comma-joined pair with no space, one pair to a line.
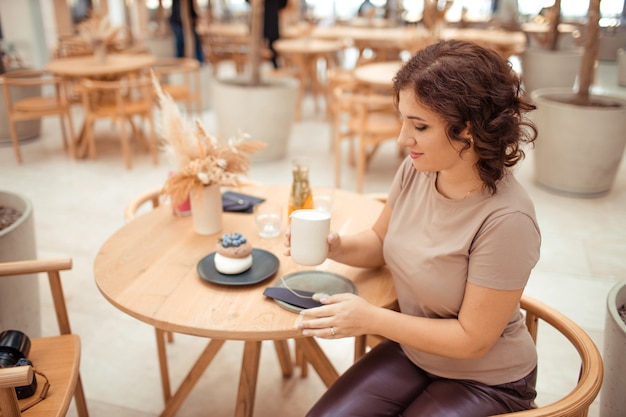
14,348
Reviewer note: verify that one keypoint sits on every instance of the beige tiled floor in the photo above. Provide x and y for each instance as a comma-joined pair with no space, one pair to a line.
78,204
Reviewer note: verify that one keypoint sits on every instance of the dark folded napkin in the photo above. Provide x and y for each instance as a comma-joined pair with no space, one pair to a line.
285,295
240,203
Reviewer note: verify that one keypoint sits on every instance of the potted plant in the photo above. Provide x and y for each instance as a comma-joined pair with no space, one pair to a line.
262,107
612,399
581,135
551,59
17,243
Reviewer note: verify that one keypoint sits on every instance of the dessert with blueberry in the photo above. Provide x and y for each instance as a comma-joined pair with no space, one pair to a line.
233,254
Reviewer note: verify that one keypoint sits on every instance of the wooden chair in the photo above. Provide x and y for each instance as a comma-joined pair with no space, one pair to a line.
121,101
22,104
153,198
577,402
369,117
180,78
56,357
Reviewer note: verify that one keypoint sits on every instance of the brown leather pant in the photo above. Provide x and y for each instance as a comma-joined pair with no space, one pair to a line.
386,383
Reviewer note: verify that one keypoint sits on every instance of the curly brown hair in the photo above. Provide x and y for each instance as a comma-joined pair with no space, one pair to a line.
468,85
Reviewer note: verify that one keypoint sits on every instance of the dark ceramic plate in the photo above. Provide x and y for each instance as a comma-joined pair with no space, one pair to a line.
264,265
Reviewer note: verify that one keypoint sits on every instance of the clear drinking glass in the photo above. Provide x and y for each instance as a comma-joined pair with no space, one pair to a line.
268,219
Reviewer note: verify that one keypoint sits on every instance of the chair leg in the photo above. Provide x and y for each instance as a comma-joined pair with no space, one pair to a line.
336,138
72,137
16,141
89,139
125,144
361,164
79,399
153,142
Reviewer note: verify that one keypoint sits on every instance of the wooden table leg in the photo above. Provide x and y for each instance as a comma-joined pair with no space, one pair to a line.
165,375
320,362
248,379
198,368
284,357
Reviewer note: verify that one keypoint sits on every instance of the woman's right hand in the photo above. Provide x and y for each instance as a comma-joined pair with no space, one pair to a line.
333,239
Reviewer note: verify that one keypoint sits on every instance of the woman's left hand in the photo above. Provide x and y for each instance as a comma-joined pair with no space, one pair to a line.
341,315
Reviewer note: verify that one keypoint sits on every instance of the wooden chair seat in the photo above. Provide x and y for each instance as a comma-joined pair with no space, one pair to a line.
56,357
36,105
59,358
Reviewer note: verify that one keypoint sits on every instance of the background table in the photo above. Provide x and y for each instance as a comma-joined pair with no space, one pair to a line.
114,65
147,269
378,74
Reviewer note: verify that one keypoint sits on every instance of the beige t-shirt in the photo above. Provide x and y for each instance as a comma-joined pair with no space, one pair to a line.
434,245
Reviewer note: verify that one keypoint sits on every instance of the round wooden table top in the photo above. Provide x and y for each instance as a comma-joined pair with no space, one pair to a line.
89,66
378,74
307,46
147,269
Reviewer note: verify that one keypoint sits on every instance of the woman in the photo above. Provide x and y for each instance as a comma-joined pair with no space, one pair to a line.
460,238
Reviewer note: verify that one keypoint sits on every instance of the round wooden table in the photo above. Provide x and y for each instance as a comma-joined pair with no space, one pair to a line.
114,65
147,269
378,74
505,43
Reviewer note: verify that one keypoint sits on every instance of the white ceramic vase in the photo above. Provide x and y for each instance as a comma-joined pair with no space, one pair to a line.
206,210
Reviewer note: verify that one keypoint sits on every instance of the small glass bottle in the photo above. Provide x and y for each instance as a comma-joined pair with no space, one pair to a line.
301,196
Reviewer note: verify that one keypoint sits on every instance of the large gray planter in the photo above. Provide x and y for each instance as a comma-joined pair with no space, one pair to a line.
579,149
613,394
265,112
19,295
542,68
29,129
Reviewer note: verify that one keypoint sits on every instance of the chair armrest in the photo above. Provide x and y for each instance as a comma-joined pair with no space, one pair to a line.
16,376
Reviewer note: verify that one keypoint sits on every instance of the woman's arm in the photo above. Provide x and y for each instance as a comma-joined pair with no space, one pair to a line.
483,317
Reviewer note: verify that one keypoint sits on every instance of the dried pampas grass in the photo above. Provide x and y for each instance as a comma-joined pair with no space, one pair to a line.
200,158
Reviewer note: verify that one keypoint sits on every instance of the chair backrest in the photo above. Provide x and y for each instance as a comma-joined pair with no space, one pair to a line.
180,78
153,197
576,403
121,98
52,268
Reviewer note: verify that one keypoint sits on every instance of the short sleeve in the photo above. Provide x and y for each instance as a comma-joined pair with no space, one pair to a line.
504,252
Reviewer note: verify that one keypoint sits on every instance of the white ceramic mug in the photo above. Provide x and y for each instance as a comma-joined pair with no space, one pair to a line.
309,230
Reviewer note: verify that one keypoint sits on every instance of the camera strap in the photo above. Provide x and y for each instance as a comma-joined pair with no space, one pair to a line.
42,394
